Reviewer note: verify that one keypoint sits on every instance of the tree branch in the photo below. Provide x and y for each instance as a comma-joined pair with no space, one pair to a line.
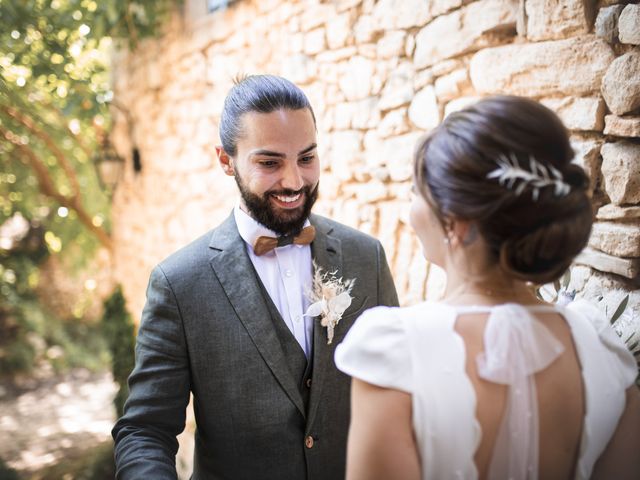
48,188
59,154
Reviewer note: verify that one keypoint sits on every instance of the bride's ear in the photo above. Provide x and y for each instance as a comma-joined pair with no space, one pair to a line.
462,233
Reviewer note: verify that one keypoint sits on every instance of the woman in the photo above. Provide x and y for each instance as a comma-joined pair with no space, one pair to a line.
491,382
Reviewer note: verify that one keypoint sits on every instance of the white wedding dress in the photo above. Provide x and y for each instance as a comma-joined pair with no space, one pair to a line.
417,350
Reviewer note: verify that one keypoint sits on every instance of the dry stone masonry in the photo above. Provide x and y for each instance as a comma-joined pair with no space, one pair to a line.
379,74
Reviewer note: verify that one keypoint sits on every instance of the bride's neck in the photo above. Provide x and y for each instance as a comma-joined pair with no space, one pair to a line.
491,287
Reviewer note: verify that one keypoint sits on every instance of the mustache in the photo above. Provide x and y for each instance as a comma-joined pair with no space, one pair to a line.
287,192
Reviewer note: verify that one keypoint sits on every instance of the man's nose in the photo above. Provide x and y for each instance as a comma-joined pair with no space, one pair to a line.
292,178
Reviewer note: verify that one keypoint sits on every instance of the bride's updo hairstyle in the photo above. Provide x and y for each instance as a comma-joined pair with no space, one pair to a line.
504,163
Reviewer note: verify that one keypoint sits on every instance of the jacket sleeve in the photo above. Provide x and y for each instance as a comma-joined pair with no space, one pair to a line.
154,414
387,294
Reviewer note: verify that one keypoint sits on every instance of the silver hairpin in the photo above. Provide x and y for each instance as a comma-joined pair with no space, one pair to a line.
539,176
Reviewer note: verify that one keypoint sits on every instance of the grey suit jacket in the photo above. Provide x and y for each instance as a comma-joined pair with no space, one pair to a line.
206,329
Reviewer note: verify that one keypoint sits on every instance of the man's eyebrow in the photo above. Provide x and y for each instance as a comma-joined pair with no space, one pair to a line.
308,149
270,153
266,153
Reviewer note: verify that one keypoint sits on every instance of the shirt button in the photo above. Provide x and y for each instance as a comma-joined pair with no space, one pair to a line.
308,442
308,383
288,273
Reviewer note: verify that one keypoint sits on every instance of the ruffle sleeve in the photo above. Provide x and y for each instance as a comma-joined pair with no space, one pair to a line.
623,361
376,350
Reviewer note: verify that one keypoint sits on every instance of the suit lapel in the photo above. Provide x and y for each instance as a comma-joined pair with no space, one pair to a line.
235,272
327,254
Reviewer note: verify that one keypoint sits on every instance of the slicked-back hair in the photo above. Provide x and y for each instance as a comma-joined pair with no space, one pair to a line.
257,93
533,238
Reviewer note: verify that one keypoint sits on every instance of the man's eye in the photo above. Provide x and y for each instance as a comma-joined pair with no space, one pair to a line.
307,159
268,163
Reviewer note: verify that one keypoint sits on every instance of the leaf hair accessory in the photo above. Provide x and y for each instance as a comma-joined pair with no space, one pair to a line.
538,176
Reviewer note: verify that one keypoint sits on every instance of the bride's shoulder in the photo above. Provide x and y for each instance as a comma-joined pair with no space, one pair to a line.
424,315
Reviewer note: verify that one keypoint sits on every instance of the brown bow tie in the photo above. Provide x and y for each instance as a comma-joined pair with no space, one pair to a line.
266,244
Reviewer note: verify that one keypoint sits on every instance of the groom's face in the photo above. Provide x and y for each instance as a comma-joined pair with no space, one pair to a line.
276,167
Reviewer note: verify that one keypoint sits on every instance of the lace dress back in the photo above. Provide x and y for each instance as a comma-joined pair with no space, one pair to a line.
417,350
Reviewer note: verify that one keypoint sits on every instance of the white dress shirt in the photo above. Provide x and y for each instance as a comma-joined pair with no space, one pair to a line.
286,273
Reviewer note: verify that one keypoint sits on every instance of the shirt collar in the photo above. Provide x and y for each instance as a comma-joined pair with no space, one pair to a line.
250,229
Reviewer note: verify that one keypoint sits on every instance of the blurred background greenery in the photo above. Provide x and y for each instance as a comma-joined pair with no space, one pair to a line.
54,214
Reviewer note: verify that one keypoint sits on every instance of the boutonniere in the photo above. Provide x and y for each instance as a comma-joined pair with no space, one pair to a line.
330,297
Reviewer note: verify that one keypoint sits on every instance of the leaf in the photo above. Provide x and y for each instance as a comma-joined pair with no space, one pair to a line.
315,309
620,310
340,303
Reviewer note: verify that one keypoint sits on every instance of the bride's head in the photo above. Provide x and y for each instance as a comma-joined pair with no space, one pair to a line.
496,180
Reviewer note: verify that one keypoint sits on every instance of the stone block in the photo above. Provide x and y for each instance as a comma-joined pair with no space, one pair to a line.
366,113
399,151
540,69
398,89
447,66
458,104
579,113
370,192
587,155
410,45
394,123
391,44
616,212
339,30
621,83
343,5
452,85
627,267
422,79
314,41
300,69
622,126
364,29
315,15
345,153
466,30
335,56
606,26
397,14
439,7
629,25
621,171
424,112
620,240
553,19
356,78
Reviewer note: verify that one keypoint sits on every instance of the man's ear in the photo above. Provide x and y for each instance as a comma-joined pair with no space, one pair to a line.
225,161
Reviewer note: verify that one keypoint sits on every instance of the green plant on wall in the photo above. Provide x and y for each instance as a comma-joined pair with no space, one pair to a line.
119,332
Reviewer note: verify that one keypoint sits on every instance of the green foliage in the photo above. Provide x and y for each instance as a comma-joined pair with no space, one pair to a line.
120,334
54,95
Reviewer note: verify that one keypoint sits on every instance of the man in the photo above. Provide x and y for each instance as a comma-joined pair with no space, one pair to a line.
225,316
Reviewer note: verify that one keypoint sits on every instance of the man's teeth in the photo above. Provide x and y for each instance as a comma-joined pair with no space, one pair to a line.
288,199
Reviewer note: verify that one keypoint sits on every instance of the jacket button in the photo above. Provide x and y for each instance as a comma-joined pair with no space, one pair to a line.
308,383
308,442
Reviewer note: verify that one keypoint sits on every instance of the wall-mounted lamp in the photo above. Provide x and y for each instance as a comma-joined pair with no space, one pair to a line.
109,164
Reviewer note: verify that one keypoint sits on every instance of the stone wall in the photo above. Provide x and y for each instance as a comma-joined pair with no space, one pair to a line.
379,74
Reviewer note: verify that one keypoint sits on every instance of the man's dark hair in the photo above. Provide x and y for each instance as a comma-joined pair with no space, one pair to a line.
257,93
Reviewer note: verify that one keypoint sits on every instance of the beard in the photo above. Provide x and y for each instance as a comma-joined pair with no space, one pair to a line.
282,222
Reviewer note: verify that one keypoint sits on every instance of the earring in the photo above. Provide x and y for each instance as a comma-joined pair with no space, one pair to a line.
446,240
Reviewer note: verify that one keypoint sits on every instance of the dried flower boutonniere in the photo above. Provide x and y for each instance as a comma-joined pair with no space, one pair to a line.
331,296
